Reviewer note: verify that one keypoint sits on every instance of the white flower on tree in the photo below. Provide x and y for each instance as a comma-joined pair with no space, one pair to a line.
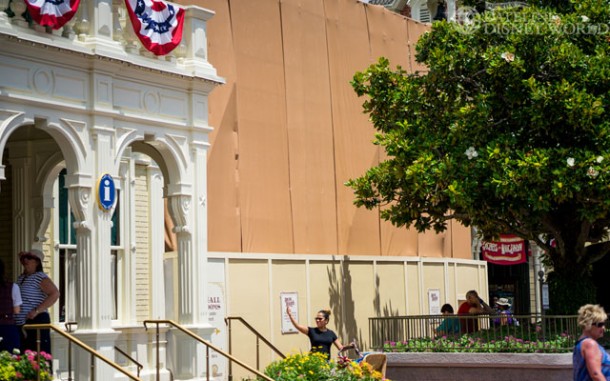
592,172
508,57
471,153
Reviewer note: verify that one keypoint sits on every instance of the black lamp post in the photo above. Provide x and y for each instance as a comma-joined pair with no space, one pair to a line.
541,281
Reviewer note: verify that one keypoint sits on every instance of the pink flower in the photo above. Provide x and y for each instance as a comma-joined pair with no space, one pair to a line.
46,356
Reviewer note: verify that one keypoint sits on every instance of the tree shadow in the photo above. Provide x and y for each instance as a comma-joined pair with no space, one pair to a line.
394,328
342,299
342,304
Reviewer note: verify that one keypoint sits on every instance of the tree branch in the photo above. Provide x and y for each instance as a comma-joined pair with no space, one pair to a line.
597,251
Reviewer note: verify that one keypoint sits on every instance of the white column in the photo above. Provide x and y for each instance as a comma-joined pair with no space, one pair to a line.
21,174
79,196
102,140
180,205
94,302
200,230
183,348
157,243
127,267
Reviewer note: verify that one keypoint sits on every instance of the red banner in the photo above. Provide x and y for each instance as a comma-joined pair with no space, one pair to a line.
510,250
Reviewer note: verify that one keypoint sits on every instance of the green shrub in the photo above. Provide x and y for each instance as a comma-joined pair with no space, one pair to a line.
479,342
316,367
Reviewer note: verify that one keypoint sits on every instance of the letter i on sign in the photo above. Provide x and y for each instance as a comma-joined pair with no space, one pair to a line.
106,190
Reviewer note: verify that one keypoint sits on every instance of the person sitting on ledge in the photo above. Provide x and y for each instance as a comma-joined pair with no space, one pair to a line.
450,325
473,305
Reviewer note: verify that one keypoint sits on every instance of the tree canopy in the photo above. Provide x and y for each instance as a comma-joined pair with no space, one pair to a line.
508,130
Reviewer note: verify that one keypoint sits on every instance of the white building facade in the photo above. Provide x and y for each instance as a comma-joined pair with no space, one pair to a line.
87,101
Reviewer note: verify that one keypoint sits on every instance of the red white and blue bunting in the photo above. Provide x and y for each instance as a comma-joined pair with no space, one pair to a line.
52,13
158,24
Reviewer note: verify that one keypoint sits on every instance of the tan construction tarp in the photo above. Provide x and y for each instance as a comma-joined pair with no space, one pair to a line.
289,130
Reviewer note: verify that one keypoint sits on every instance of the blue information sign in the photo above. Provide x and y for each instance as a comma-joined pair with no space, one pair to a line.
106,192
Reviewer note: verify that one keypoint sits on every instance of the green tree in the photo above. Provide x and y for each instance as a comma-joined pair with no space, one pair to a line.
508,131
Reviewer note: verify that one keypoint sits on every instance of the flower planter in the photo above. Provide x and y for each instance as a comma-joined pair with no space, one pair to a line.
427,366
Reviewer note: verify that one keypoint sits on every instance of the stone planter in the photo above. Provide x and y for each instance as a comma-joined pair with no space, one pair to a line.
479,366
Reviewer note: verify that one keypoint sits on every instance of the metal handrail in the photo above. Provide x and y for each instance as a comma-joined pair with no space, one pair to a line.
138,365
485,327
208,346
72,339
258,335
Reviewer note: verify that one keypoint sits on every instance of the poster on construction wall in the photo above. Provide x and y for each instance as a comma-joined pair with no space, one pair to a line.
289,299
434,301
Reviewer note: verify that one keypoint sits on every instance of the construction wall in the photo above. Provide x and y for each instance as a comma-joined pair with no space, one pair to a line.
353,288
289,130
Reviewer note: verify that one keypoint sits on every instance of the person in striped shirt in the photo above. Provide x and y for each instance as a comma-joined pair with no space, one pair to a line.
38,293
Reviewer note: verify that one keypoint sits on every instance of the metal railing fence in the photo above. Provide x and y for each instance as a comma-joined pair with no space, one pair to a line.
73,340
259,337
474,333
208,346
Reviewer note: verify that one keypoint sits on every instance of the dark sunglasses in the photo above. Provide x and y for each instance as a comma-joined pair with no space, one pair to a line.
29,257
319,319
599,324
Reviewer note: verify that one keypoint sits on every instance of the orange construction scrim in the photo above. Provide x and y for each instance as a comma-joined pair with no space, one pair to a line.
289,130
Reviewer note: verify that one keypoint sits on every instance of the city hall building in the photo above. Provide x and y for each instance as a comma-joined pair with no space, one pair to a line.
197,172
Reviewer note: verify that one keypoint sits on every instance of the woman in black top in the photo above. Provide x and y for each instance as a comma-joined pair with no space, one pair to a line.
320,336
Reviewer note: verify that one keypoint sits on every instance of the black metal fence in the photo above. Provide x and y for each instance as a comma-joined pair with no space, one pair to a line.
474,333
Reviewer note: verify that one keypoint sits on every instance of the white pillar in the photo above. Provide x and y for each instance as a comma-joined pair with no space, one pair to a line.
183,348
200,231
127,270
21,174
93,225
157,243
79,196
102,220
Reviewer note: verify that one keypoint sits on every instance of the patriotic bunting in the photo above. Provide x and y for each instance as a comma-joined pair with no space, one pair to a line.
52,13
157,24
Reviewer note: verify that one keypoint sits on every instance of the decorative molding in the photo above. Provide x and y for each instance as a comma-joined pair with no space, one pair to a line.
75,129
176,144
9,121
42,218
179,206
79,197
